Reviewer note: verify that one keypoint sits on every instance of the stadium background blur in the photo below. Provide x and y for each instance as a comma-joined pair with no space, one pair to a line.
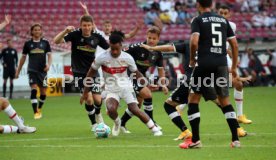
255,19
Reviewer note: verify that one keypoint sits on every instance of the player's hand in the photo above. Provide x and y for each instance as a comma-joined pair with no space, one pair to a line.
83,5
83,98
46,68
192,63
139,24
153,87
16,74
147,47
165,90
69,29
7,19
245,79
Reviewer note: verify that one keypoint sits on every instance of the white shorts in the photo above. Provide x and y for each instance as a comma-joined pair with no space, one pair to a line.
127,94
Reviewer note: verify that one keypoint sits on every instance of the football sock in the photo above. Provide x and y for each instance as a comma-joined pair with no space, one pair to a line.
34,100
238,95
194,119
127,116
231,118
91,113
238,125
13,115
148,107
175,116
41,101
151,126
97,108
10,129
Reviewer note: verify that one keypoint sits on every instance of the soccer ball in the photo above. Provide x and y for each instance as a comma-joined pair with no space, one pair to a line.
102,131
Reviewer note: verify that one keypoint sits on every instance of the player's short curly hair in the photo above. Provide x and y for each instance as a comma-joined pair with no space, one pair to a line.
116,37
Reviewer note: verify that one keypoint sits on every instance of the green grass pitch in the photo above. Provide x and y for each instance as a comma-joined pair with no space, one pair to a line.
64,133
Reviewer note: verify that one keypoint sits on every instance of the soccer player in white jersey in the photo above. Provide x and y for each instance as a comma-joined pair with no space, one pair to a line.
11,113
238,85
108,28
114,63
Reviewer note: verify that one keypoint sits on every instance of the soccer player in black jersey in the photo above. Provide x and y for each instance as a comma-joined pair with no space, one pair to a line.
145,59
37,49
84,42
108,28
9,62
179,97
210,33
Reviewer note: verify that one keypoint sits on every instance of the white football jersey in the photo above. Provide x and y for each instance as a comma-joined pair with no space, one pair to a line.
115,70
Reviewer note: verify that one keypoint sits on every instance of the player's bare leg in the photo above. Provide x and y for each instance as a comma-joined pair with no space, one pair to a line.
20,128
112,106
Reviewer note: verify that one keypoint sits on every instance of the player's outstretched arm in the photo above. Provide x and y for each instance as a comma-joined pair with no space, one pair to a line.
161,48
84,96
133,33
5,22
21,63
84,7
60,37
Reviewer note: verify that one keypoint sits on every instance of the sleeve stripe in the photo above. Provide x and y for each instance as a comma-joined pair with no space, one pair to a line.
196,33
231,37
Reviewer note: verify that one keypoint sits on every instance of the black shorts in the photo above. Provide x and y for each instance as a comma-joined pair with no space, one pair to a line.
8,73
37,78
181,94
212,89
95,87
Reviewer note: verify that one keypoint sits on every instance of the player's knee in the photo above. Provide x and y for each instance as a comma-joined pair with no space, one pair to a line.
145,93
171,102
4,103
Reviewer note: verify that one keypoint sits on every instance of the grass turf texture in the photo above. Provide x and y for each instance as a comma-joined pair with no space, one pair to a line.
64,133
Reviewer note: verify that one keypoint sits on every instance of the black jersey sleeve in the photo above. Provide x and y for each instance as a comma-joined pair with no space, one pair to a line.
132,49
159,62
180,48
195,26
26,49
70,36
103,42
230,32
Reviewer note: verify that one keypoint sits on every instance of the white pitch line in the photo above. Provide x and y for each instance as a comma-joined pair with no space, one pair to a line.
129,136
128,146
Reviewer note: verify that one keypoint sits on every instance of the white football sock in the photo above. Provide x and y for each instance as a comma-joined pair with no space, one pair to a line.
117,120
10,129
151,126
13,115
239,101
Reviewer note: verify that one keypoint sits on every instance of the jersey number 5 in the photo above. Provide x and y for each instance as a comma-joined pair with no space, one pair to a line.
216,42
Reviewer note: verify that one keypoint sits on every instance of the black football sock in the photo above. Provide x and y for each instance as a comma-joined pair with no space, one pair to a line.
97,108
194,119
127,116
175,116
238,125
41,101
91,113
148,107
231,118
4,89
34,100
11,90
